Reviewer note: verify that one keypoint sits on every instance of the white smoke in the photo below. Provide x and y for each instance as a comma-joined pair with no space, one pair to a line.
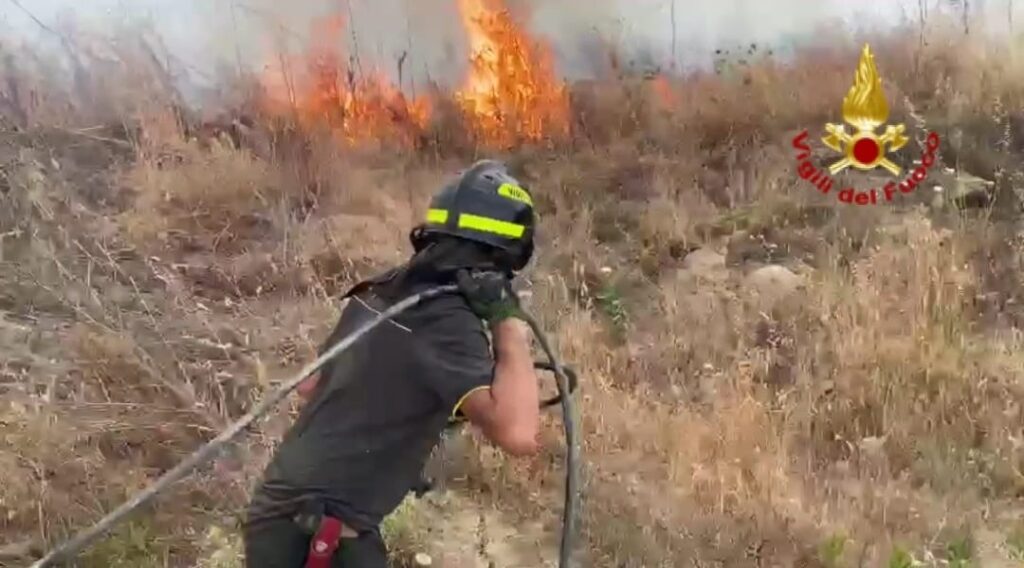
205,34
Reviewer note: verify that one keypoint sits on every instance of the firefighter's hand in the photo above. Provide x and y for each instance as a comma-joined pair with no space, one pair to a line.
489,295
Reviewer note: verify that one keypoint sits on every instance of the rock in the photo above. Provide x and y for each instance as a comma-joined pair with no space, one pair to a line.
19,550
961,190
967,183
773,282
745,248
702,265
697,294
703,260
872,446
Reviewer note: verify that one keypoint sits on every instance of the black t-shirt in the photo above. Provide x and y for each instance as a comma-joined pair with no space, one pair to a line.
360,443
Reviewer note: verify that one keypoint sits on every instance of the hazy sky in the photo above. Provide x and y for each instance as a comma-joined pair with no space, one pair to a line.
200,32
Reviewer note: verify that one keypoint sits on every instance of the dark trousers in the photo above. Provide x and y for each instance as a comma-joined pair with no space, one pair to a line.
282,544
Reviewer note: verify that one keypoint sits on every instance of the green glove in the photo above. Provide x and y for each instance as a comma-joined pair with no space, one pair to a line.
489,295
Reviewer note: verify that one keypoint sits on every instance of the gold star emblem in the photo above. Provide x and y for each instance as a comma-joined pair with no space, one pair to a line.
865,109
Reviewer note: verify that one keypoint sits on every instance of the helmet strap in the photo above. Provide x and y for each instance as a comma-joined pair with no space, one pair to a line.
419,238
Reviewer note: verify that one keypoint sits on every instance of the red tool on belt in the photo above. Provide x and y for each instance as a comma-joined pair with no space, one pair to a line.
324,542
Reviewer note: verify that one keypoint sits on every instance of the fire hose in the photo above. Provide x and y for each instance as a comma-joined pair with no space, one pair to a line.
565,381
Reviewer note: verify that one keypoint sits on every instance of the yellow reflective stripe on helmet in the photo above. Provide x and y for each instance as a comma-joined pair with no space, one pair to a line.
478,223
437,216
515,192
488,225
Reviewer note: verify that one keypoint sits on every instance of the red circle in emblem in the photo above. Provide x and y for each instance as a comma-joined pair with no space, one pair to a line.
865,150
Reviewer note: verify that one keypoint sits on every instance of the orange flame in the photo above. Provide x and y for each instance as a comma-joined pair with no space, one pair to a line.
329,94
664,91
511,93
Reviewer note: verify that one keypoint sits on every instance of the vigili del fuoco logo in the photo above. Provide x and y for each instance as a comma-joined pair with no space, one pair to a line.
865,110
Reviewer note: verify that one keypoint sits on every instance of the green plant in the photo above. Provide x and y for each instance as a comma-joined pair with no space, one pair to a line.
222,548
399,528
832,550
901,559
1015,542
609,300
959,552
133,545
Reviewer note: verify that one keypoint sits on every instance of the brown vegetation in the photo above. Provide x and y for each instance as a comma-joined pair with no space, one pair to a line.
152,285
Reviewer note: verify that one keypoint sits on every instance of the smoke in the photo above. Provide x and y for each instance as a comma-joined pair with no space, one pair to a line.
426,35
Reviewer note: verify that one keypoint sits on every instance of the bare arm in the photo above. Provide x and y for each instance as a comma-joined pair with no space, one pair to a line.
508,412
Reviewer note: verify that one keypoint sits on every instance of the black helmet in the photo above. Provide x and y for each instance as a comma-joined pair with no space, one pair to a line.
486,205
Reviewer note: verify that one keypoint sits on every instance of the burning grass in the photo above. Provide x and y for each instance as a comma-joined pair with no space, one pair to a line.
148,297
323,92
511,95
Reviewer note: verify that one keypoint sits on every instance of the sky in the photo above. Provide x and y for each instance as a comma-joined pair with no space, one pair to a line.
201,33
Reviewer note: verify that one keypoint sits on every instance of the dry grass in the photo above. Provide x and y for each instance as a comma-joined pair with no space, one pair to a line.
218,191
148,297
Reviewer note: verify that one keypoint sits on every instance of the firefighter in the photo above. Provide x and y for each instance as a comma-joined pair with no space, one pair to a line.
373,415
